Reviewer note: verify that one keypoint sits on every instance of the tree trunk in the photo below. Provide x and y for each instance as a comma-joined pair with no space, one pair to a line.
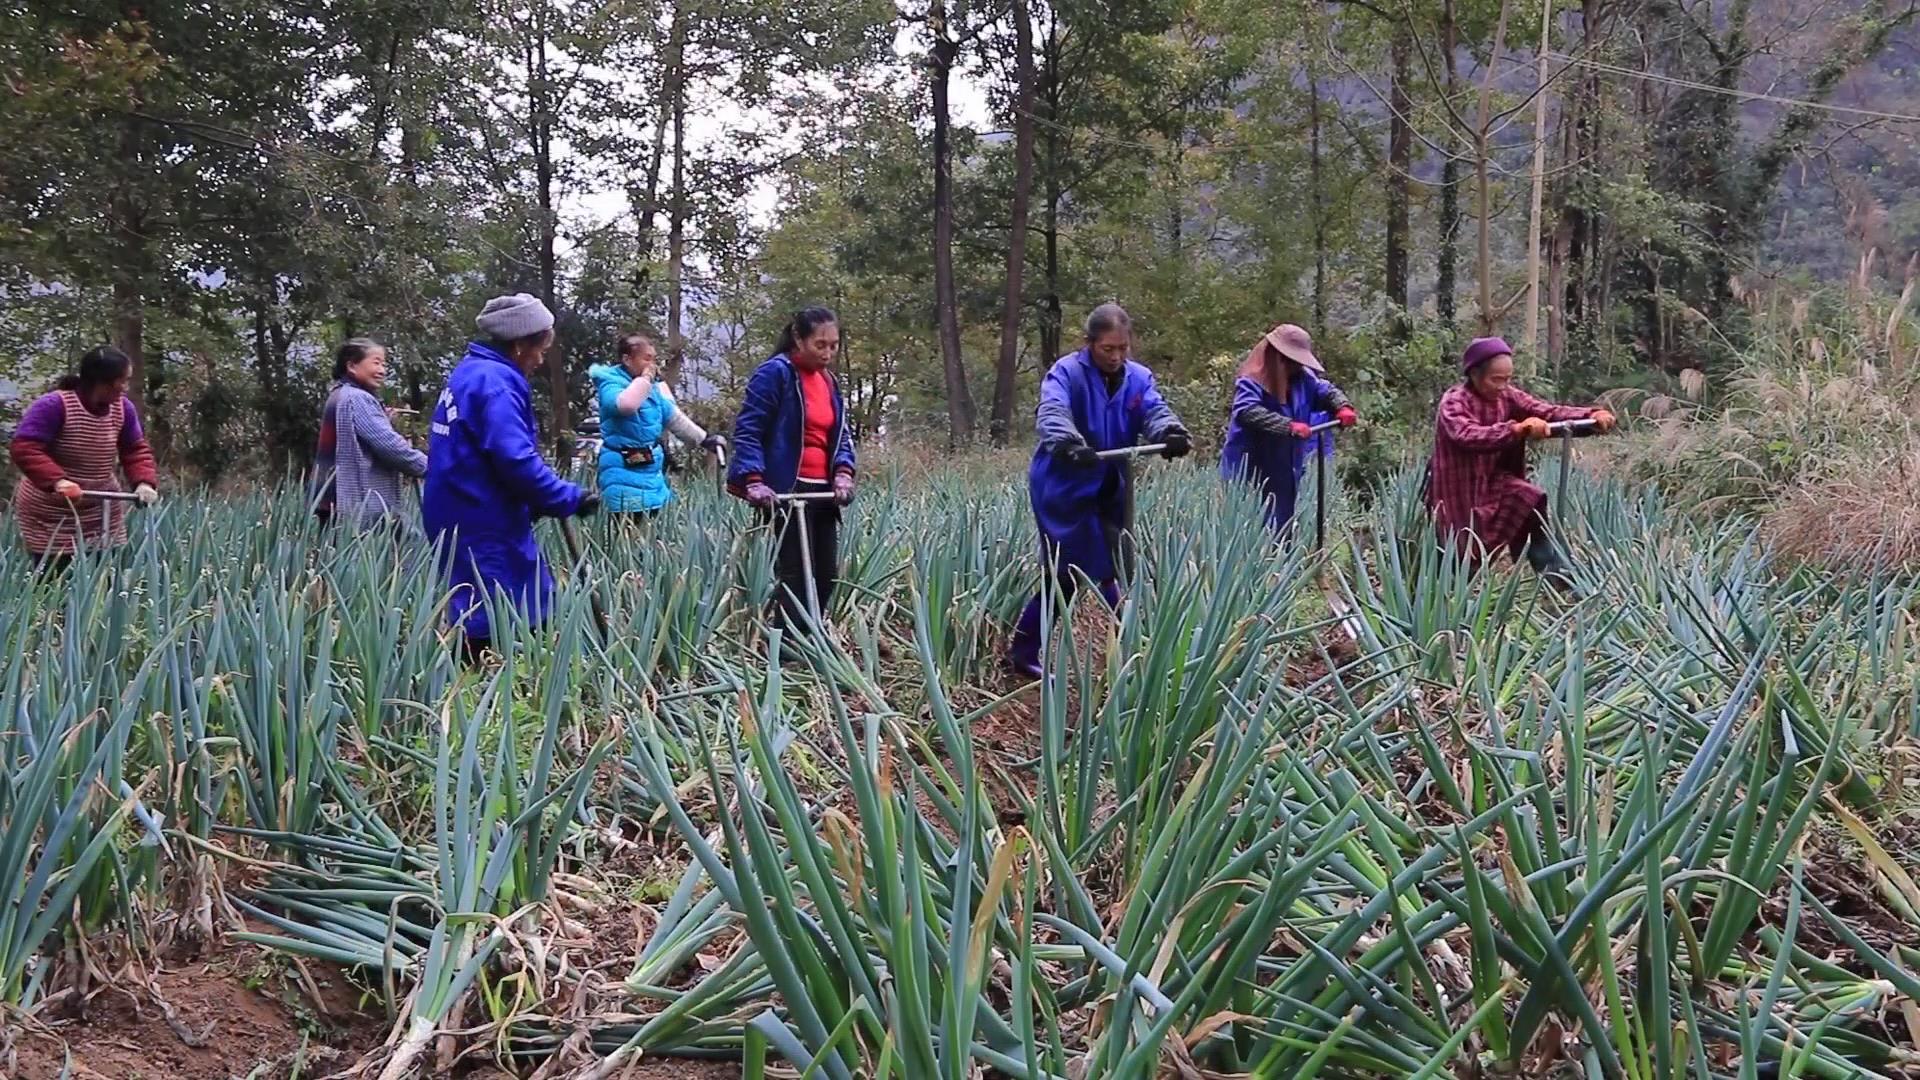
1573,238
1481,135
540,108
677,241
1399,168
1011,305
1050,311
645,199
1447,262
1556,294
960,414
270,344
1534,217
129,303
129,332
1316,173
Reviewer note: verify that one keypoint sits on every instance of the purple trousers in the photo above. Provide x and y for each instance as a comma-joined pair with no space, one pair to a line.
1025,652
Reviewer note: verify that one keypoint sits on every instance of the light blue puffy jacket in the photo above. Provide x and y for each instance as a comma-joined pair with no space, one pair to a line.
631,488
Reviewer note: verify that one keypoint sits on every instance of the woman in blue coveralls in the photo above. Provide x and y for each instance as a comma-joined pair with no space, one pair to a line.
1281,389
636,411
486,481
1092,400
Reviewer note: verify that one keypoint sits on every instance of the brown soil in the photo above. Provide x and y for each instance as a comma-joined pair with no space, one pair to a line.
240,1009
681,1069
247,1015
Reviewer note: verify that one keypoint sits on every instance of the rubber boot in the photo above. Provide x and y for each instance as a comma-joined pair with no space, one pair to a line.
1024,654
1547,560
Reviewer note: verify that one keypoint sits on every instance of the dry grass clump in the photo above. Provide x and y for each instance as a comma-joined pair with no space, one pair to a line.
1859,513
1815,433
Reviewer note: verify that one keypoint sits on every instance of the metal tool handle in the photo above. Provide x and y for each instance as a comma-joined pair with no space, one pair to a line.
1566,429
111,496
1130,451
803,496
1320,485
578,555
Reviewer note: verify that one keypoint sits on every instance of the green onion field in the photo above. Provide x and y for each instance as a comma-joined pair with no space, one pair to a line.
1352,814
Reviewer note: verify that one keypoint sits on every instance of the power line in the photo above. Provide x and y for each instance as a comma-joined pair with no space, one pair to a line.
1230,146
1728,91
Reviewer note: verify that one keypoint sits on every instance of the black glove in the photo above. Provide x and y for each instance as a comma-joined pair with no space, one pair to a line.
1265,421
1079,455
712,442
589,504
1179,443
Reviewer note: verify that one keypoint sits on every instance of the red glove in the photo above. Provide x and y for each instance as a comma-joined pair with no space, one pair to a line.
1347,416
1300,429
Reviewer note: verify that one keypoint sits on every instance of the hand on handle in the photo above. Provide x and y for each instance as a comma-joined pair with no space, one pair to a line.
1300,429
1178,444
1346,416
146,494
714,443
589,504
842,488
1079,455
1531,428
1603,420
68,490
760,495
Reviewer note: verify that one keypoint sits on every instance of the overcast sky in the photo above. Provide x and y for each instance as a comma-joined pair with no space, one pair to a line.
708,126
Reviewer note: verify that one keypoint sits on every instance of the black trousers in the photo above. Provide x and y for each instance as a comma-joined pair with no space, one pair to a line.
52,565
474,651
821,520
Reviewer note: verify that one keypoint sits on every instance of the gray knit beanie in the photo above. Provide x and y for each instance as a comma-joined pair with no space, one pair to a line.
510,318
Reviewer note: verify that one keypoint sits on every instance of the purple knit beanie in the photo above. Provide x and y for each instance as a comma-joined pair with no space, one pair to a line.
1483,350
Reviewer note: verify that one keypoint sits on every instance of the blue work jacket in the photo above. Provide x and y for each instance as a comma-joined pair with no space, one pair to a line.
486,483
1081,509
769,430
1276,462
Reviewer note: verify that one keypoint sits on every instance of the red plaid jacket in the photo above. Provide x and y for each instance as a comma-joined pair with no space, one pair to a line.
1477,480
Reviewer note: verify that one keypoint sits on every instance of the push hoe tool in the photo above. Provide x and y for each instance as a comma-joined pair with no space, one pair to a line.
1566,429
575,553
794,502
1320,486
1128,453
107,498
1349,624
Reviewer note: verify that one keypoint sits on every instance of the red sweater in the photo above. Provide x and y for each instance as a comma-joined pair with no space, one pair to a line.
816,393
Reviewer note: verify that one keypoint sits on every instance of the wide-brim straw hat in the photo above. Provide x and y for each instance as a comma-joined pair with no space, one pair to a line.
1292,342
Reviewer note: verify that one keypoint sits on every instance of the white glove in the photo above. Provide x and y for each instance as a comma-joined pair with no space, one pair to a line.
146,494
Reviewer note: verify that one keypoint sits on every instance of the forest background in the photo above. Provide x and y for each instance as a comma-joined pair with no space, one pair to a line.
1701,209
